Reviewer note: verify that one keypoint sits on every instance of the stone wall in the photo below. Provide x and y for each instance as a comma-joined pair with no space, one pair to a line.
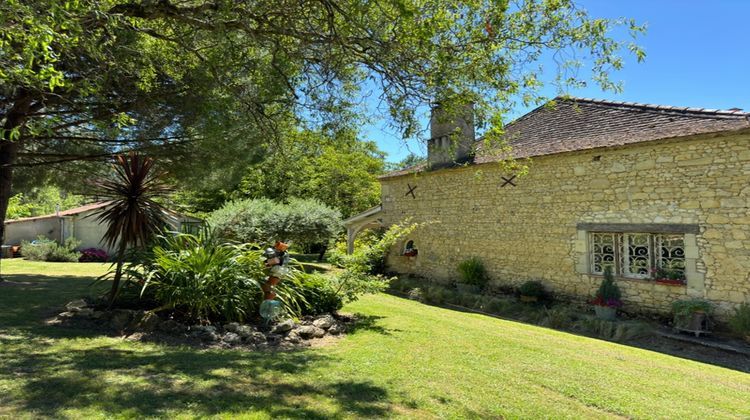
532,230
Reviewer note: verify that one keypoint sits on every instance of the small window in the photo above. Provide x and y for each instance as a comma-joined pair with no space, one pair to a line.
639,255
410,250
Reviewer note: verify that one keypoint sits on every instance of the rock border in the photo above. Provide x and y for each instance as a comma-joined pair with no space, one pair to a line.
148,326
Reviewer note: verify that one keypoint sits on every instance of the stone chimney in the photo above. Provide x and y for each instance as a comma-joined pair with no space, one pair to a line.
451,137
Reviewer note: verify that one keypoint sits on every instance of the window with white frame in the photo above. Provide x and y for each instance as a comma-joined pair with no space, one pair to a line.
639,255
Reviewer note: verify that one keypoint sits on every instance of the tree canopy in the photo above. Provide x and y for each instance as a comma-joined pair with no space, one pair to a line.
200,83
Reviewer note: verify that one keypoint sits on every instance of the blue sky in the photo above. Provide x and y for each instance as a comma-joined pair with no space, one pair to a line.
698,54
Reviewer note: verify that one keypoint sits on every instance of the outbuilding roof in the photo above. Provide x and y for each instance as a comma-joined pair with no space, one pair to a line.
69,212
572,124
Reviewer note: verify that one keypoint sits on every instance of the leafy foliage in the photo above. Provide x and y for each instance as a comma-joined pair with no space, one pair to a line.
303,222
684,309
133,216
532,288
205,279
473,272
41,201
318,294
336,169
739,322
44,249
363,269
608,293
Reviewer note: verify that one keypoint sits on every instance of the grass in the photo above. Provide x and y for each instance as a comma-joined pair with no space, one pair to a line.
405,360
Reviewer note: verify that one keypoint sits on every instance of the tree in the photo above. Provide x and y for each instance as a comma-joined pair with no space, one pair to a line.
409,161
133,216
335,168
40,201
208,80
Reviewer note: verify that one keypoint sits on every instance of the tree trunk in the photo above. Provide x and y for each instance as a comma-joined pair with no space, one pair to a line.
322,253
118,274
14,120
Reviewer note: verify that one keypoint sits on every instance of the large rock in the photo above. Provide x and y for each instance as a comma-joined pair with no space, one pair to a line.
256,338
310,331
274,339
325,322
283,327
293,337
232,338
204,332
245,331
76,305
232,327
146,321
120,319
85,313
337,328
171,326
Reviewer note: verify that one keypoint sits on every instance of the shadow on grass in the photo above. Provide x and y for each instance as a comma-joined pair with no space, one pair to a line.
157,382
369,323
131,379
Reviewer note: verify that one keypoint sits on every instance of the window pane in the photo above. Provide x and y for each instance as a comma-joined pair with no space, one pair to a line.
671,250
636,255
602,251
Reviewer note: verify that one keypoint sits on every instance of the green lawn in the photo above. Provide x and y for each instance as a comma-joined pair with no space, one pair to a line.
408,360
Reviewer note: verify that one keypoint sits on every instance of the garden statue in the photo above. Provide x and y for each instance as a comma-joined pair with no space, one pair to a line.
276,260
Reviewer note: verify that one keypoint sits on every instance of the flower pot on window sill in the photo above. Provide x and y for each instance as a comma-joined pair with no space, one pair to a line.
607,313
670,282
412,253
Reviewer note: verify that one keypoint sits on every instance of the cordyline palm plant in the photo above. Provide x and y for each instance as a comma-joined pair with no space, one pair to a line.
132,216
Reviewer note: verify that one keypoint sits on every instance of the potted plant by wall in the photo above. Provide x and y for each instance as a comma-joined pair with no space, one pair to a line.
531,291
607,298
473,276
692,315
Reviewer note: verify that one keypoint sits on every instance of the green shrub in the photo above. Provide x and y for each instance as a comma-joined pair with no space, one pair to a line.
532,288
437,294
360,275
472,272
305,223
686,307
617,331
497,305
208,280
559,317
740,320
319,295
47,250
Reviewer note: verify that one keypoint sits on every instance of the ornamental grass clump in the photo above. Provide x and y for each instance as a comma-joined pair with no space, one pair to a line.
609,293
740,321
473,272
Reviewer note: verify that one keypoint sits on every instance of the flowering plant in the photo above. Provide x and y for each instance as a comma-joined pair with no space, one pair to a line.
611,302
93,255
668,276
608,293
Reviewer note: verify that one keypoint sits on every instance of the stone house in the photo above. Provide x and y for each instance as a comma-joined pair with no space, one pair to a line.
640,187
79,223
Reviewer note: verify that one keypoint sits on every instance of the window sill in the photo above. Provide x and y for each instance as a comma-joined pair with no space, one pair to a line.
643,281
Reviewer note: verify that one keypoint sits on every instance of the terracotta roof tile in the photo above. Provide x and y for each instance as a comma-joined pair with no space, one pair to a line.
573,124
69,212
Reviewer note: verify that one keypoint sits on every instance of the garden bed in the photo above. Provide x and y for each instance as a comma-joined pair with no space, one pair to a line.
147,326
579,319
